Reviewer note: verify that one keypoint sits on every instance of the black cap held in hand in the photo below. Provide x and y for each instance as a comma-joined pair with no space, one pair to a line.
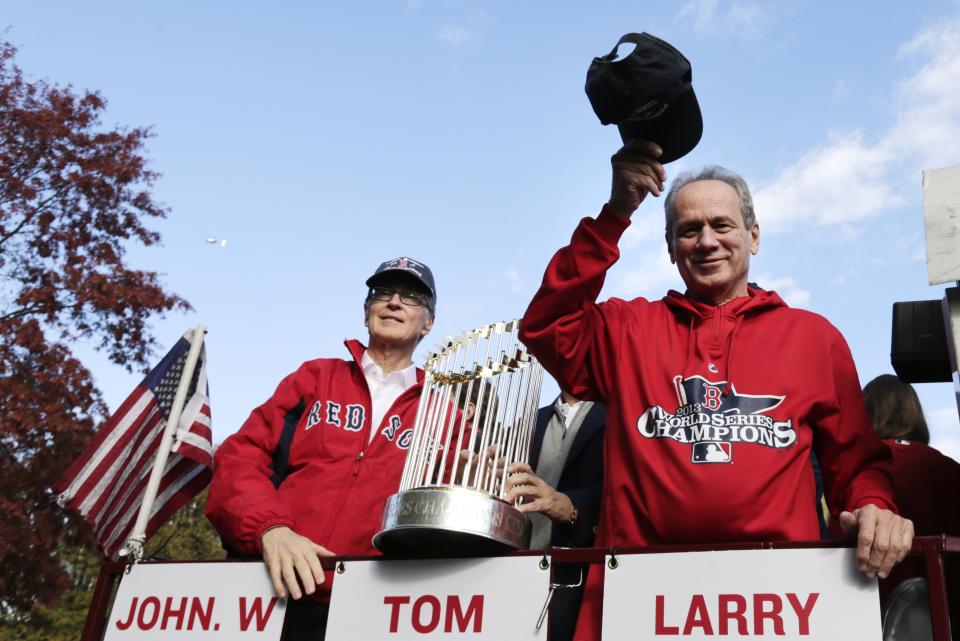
648,95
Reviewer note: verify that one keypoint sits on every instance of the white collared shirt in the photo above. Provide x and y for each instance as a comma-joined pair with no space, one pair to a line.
568,411
384,390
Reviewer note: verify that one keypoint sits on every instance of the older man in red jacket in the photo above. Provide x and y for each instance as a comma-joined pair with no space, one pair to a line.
308,473
716,396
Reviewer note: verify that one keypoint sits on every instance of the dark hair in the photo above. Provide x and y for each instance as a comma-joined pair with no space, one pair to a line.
490,404
895,410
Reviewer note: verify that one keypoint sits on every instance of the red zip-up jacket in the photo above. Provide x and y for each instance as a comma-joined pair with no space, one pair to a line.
337,480
712,411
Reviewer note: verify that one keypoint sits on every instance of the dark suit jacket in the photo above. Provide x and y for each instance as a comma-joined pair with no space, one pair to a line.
582,475
582,480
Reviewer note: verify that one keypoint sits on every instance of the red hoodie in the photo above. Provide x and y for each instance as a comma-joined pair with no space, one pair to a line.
712,410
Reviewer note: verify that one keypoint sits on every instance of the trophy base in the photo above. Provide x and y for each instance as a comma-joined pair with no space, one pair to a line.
446,521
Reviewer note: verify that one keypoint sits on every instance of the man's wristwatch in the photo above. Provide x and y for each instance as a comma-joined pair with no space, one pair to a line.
574,516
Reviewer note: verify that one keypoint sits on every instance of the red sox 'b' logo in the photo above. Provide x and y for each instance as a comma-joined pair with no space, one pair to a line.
711,397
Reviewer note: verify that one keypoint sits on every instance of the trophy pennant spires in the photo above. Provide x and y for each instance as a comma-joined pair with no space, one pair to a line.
476,418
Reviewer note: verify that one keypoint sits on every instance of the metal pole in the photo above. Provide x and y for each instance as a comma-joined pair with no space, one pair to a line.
134,544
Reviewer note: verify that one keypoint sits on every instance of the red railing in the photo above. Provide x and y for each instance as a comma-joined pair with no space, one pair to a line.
931,549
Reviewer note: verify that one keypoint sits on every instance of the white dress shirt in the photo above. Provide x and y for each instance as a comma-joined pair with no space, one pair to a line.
384,390
568,411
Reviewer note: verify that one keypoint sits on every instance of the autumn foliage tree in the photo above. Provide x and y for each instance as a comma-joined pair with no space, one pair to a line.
74,195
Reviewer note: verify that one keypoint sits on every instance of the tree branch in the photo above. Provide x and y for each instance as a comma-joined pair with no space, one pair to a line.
39,207
36,309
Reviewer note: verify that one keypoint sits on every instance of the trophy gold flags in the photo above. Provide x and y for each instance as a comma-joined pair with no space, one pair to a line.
476,418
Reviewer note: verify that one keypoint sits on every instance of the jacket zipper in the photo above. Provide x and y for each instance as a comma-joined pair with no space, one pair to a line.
357,461
344,493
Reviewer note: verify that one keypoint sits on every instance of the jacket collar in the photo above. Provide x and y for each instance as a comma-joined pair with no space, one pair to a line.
357,350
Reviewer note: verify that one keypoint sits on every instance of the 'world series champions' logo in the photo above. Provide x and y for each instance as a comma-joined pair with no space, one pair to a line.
712,422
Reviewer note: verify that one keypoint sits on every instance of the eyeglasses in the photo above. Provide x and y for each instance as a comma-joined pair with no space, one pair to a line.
414,299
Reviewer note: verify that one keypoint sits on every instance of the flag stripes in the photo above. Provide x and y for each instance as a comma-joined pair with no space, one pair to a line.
106,485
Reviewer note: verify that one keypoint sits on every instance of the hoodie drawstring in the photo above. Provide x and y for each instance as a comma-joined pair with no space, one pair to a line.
691,342
728,368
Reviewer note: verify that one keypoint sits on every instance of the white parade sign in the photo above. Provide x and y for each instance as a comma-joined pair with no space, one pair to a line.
808,594
167,601
498,599
941,215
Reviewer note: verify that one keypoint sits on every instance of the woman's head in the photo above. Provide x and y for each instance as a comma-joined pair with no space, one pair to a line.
895,410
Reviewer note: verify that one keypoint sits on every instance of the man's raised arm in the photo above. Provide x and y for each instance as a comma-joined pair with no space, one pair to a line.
563,322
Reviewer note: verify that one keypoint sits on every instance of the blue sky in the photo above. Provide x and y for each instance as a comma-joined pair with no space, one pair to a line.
319,139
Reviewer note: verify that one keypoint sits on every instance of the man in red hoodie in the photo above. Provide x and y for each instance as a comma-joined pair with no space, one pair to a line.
716,397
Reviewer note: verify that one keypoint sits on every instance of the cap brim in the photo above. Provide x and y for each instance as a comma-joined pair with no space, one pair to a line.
373,280
677,131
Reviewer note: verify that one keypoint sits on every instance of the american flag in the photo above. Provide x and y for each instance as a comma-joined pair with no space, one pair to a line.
106,484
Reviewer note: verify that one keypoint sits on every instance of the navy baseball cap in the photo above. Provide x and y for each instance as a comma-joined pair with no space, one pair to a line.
406,265
648,95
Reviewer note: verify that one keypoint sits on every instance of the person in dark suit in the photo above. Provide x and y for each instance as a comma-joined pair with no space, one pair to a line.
561,490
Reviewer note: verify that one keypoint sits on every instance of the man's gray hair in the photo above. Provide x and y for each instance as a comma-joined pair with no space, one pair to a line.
430,303
710,172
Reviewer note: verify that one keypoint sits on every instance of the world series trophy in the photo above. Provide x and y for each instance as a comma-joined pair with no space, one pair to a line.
476,418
